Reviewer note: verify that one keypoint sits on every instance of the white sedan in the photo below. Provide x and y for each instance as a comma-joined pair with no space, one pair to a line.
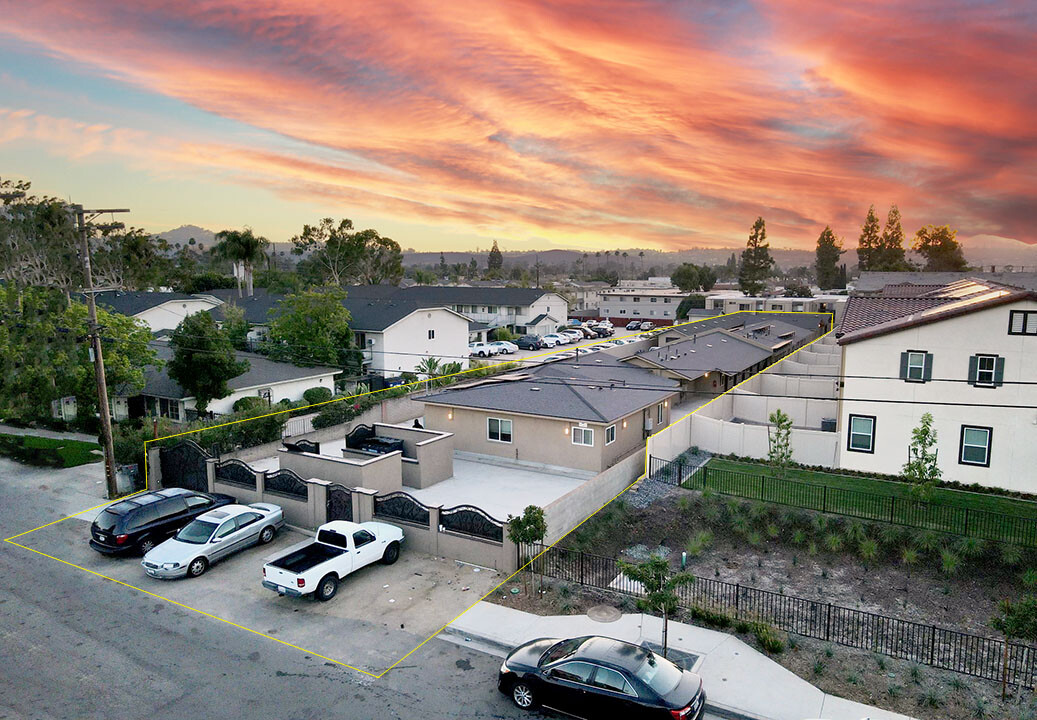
482,349
211,537
557,339
504,347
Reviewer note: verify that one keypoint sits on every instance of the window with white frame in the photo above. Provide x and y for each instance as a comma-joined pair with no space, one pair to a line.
610,434
583,436
861,435
984,370
975,445
498,430
914,366
659,413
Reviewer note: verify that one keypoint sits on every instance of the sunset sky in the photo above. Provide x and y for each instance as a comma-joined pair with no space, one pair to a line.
539,123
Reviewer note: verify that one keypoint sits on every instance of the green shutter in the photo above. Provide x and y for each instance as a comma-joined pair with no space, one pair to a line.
903,366
927,373
973,364
999,371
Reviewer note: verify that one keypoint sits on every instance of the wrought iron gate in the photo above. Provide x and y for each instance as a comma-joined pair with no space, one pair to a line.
183,466
340,503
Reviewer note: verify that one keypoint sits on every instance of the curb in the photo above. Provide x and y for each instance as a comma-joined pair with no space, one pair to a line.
463,638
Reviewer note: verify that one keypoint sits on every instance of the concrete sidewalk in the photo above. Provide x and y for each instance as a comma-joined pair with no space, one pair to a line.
740,682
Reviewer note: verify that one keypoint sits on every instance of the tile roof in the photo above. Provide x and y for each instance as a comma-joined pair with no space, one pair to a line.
872,315
599,388
874,282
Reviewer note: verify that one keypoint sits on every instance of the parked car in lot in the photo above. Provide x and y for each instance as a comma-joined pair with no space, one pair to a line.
140,523
647,326
602,331
530,342
573,335
482,349
557,339
598,677
633,325
504,347
211,537
341,547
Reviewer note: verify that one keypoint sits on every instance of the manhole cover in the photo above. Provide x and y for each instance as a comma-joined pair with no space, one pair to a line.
604,613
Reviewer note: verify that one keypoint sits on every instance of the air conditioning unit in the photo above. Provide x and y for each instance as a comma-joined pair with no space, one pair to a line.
648,423
828,424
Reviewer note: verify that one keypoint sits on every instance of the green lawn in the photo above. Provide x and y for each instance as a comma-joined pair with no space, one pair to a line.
49,452
954,511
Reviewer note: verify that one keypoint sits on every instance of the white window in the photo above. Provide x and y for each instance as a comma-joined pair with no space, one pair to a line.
610,434
986,370
862,434
498,430
975,446
431,334
1022,322
659,413
915,365
583,436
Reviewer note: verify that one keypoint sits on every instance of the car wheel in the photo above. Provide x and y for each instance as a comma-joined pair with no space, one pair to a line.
522,695
145,545
391,554
197,567
327,588
267,535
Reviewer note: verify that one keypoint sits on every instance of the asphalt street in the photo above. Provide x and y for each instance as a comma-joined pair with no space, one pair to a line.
77,646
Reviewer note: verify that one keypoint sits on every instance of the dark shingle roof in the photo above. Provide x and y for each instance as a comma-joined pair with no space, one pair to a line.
262,372
711,351
598,389
450,295
131,303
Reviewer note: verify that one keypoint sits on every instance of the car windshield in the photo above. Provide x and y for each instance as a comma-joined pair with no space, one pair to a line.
106,521
196,532
659,674
561,650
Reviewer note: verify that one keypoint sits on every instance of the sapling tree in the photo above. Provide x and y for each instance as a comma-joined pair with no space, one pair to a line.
921,468
779,445
528,528
1015,620
660,588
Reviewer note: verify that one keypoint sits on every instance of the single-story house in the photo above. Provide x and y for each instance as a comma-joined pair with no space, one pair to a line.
159,310
586,415
273,381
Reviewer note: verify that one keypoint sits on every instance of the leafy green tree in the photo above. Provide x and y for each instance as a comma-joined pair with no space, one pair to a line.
244,248
495,260
312,328
686,277
660,588
756,261
779,442
692,301
472,270
203,360
443,269
890,256
133,260
826,263
38,241
794,288
236,326
340,255
869,243
921,468
279,282
942,252
529,528
1015,620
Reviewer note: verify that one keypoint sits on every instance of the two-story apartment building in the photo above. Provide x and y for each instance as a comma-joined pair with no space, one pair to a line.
620,305
963,352
730,301
158,310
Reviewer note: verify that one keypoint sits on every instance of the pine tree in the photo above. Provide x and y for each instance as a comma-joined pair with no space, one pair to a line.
891,257
756,261
869,241
826,264
495,261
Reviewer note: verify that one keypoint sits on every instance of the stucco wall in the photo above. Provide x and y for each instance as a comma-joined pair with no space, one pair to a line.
1013,453
169,315
403,346
433,451
381,472
290,390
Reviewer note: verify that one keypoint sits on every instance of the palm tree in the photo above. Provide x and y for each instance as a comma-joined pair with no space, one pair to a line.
241,246
642,256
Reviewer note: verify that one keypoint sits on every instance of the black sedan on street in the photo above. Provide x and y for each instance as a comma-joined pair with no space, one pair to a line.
597,677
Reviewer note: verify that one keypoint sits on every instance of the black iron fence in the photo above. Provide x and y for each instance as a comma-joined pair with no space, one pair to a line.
236,472
287,483
965,521
470,520
974,655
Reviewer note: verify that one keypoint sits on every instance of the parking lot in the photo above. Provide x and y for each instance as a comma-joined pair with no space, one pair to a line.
380,613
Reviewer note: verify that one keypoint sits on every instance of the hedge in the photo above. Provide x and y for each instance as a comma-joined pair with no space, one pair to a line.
49,452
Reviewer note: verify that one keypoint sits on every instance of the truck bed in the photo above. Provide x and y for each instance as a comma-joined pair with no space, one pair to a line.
306,557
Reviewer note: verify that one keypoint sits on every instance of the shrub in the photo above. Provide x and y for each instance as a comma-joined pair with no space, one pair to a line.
891,535
950,562
754,538
909,556
927,540
916,674
758,510
710,617
1011,555
868,549
246,404
819,667
772,530
930,699
799,536
769,638
855,531
315,395
834,542
701,540
1029,578
820,523
980,709
970,547
334,414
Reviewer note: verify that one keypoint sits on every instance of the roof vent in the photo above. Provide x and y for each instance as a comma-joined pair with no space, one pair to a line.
534,389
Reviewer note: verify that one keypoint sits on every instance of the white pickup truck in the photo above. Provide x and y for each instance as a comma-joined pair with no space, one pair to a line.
339,548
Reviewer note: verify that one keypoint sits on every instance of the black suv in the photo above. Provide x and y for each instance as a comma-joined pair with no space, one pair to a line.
140,523
530,342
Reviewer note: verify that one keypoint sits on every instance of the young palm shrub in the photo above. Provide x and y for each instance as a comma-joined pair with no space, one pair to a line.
868,549
799,536
1011,555
950,562
820,523
772,530
891,535
758,510
927,540
909,556
754,538
971,547
855,531
698,544
834,542
1029,578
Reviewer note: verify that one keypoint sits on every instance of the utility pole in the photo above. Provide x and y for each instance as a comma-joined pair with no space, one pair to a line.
103,406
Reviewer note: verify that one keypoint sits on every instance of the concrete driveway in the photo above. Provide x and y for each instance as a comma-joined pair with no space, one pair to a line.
380,613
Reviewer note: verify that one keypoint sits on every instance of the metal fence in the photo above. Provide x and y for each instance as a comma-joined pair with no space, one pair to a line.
959,652
985,524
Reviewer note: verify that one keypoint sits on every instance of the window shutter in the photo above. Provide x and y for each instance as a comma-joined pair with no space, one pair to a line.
999,371
903,366
927,373
973,364
1018,322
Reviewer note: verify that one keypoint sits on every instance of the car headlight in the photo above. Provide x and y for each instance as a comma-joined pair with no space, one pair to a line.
170,566
504,667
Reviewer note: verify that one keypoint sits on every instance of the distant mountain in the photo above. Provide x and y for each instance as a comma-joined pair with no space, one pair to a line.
185,233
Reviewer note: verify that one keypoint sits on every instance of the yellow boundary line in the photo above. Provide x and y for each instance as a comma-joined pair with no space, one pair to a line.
508,579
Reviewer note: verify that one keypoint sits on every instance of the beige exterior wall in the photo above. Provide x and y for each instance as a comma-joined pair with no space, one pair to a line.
544,440
382,473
